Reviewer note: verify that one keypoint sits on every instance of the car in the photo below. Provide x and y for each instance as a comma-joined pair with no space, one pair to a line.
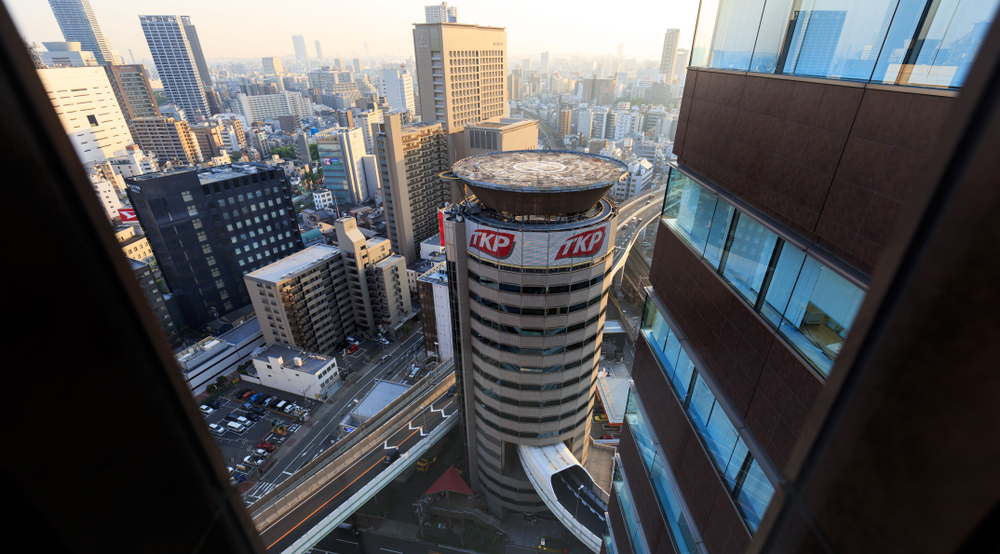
266,446
384,358
213,404
248,395
269,401
257,399
230,417
451,391
391,456
352,349
601,418
353,341
217,429
253,417
291,408
250,460
207,410
257,410
246,406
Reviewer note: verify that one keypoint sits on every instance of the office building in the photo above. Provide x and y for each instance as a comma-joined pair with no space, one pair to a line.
273,66
441,14
134,246
397,87
529,301
210,227
78,24
301,55
319,52
133,90
411,157
340,155
367,121
669,56
199,57
763,262
303,300
66,54
108,196
154,297
175,62
598,91
376,278
135,162
296,371
88,110
461,75
500,134
565,121
169,139
271,106
680,66
544,66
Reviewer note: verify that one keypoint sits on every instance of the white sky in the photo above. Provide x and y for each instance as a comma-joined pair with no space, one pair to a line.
257,28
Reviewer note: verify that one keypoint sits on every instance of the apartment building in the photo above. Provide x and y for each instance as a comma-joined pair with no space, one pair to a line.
154,298
175,62
171,140
271,106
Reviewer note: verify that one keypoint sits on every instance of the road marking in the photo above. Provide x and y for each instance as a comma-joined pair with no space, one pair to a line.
286,473
348,542
393,551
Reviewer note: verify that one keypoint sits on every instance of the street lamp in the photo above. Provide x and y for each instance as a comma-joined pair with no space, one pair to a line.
576,516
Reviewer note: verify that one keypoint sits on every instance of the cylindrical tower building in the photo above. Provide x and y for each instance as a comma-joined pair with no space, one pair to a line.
529,262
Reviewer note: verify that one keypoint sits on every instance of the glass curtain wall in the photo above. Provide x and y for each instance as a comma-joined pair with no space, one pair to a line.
809,304
927,43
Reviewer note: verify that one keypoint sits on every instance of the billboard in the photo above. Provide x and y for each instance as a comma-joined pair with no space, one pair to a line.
128,215
539,249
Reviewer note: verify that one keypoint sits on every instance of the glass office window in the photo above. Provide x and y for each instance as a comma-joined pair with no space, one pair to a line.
628,512
716,241
749,255
754,495
688,209
723,39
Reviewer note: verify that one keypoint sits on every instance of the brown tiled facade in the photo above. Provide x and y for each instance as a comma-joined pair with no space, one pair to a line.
832,160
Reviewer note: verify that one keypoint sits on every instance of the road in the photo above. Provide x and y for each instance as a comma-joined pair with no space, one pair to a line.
322,432
636,206
371,543
296,523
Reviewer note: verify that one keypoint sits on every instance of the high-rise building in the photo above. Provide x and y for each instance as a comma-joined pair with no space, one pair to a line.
680,64
271,106
366,121
461,74
89,111
565,121
171,140
341,151
441,14
514,85
301,55
319,52
273,66
544,66
154,297
411,157
210,227
397,87
176,64
669,55
133,90
528,301
78,24
211,139
199,57
303,300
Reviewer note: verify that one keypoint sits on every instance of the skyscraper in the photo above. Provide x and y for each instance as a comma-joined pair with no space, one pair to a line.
528,308
814,38
669,55
461,73
544,66
175,62
340,155
78,24
199,56
319,53
273,66
397,87
301,55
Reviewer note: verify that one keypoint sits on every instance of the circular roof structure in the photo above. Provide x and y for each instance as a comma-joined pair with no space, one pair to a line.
540,182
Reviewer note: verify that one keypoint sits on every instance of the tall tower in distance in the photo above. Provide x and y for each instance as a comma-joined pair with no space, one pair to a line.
319,53
669,53
78,24
199,56
441,14
301,55
176,64
544,66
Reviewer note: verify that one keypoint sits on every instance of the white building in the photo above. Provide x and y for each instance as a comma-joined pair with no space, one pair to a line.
441,14
135,162
271,106
397,87
322,199
365,120
640,178
88,110
297,371
213,357
106,194
66,54
436,280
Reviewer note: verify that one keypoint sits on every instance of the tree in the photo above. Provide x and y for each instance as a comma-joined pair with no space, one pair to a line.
235,157
314,151
211,389
221,381
286,152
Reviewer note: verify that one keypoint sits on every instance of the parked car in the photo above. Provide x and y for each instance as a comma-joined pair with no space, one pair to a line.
206,409
266,446
230,417
253,417
213,404
451,391
217,429
352,349
268,401
256,410
290,408
601,418
247,395
257,399
250,460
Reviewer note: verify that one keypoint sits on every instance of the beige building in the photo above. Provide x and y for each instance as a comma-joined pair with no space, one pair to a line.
461,74
134,91
88,110
303,300
273,66
411,157
389,293
565,121
168,138
500,134
212,139
135,247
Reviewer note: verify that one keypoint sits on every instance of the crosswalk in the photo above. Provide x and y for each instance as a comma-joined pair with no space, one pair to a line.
260,489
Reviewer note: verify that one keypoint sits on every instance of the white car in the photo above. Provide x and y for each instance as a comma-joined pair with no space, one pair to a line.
207,410
250,460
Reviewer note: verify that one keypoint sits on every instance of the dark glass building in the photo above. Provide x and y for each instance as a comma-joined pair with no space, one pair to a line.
210,227
801,136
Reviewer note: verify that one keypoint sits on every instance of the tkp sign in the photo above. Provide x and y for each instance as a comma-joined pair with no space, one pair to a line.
584,244
494,243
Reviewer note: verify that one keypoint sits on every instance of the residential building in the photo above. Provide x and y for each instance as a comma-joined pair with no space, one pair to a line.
669,56
88,110
441,14
133,91
273,66
322,200
499,134
461,75
199,57
303,300
397,87
640,178
66,54
78,23
297,371
212,139
603,123
134,246
435,311
175,61
514,85
565,121
763,264
389,293
544,66
528,302
598,91
319,52
108,196
410,159
259,141
169,139
210,227
340,155
301,55
367,121
135,162
154,298
271,106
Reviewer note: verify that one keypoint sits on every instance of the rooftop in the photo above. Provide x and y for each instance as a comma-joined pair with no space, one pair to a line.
295,263
380,396
311,362
437,275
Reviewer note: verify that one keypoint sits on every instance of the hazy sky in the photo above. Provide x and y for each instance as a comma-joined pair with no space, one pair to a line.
257,28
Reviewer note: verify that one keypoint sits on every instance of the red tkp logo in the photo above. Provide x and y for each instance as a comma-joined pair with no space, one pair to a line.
127,214
584,244
492,242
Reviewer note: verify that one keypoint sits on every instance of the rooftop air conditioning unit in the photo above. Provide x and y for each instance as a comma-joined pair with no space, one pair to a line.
297,361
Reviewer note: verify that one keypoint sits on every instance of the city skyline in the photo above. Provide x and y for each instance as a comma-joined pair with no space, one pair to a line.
219,28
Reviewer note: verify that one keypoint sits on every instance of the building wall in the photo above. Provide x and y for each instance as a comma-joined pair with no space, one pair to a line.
176,64
89,111
169,139
832,160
